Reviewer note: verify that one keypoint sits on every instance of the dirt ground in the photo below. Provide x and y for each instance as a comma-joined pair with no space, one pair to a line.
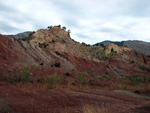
16,99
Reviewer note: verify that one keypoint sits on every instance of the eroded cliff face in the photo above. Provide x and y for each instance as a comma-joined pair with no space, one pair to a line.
48,47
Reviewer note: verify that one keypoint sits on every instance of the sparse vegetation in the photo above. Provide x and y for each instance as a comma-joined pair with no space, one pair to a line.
148,56
85,44
81,77
64,28
59,26
24,75
139,78
69,31
125,46
105,76
31,33
118,44
112,49
41,63
68,74
93,74
102,45
49,27
63,41
96,109
105,57
57,65
53,41
53,81
73,70
23,39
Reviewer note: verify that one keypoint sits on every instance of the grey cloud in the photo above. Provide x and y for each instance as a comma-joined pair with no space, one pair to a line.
81,35
7,28
135,8
72,13
106,30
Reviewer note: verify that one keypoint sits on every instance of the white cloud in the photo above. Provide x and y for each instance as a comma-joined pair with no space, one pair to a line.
90,21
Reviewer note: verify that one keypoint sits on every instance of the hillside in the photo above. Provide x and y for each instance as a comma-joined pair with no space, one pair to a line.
23,35
139,46
55,45
50,72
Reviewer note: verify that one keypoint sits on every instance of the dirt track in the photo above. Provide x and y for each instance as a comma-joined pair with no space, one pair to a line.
14,99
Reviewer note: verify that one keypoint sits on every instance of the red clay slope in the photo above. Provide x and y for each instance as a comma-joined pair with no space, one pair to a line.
69,55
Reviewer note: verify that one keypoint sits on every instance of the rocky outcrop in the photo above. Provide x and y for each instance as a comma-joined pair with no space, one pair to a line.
48,47
139,46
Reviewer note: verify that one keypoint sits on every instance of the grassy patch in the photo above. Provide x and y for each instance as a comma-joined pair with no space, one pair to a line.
81,77
96,109
139,78
53,81
24,75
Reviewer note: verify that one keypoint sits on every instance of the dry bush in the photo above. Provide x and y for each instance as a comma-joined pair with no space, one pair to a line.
53,81
96,109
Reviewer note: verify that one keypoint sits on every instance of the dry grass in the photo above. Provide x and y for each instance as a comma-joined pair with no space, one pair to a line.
96,109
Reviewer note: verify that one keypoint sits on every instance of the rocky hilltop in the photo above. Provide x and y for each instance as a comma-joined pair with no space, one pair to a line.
55,45
139,46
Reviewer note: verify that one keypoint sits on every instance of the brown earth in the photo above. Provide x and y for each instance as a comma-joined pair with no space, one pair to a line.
19,99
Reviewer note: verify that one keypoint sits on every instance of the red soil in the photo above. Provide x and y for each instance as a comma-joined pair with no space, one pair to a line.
18,99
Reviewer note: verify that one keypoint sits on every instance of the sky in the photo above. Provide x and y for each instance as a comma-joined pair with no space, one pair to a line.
90,21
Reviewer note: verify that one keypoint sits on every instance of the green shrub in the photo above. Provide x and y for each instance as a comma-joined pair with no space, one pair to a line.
106,76
93,55
63,41
85,44
23,39
102,45
112,49
146,78
69,31
59,26
53,41
53,81
105,57
24,75
49,27
148,56
68,74
93,74
118,44
125,46
57,65
81,77
64,28
136,78
73,70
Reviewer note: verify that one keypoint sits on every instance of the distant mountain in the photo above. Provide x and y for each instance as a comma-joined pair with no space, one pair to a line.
139,46
22,35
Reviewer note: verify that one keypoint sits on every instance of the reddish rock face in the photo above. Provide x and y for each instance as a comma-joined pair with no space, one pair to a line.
47,47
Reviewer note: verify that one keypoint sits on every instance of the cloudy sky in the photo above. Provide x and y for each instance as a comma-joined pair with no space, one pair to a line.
90,21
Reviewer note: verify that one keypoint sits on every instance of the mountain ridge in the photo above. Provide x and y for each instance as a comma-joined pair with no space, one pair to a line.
137,45
49,46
